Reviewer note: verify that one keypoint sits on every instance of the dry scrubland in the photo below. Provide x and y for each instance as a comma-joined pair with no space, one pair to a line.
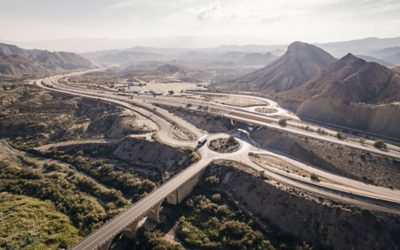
32,117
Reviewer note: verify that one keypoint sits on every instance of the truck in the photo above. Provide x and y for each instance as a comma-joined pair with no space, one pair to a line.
201,141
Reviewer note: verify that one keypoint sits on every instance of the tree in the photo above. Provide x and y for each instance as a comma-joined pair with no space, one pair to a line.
171,92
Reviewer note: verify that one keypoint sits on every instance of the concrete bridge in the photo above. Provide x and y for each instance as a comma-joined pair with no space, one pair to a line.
173,191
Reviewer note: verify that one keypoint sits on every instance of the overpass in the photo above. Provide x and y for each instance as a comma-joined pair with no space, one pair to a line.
173,191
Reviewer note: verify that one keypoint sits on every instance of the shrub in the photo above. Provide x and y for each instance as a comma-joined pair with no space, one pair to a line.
380,145
212,180
340,136
282,122
314,177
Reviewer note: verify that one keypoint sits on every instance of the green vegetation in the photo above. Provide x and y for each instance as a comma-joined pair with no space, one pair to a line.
209,223
87,204
154,241
28,223
380,145
129,184
340,136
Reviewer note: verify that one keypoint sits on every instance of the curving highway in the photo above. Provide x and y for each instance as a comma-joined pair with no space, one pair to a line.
337,187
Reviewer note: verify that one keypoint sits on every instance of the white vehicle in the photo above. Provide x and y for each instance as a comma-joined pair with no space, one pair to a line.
201,141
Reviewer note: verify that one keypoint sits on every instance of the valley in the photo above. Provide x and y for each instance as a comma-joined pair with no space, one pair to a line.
291,151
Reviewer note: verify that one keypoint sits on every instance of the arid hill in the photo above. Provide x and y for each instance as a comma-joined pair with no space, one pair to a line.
18,62
353,93
298,65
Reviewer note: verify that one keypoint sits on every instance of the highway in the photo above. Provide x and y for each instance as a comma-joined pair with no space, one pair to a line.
338,187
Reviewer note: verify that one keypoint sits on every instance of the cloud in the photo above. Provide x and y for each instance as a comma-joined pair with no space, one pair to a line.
208,12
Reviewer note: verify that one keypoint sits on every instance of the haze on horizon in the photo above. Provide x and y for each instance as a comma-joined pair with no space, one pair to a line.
106,24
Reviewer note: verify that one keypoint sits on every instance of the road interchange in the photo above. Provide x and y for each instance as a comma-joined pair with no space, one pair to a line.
339,188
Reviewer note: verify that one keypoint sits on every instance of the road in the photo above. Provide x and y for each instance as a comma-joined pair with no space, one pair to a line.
340,188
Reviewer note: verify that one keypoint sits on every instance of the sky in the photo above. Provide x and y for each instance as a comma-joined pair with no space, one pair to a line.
219,21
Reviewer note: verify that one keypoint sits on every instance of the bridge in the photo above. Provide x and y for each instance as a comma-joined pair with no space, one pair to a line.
173,191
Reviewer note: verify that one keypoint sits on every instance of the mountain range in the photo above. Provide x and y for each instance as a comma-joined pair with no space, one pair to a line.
15,61
348,92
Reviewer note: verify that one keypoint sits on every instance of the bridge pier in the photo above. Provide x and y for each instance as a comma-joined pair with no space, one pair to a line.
130,229
183,191
154,213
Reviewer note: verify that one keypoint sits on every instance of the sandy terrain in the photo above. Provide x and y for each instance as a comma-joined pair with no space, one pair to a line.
165,87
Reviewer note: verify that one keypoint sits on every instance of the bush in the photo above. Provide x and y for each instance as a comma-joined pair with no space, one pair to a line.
314,177
212,180
380,145
340,136
282,122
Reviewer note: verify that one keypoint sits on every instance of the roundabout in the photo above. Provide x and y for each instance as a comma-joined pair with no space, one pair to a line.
224,145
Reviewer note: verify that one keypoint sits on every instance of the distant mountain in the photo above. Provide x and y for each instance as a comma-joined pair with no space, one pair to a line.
211,56
387,52
394,59
17,62
168,69
350,92
299,64
365,46
397,69
376,60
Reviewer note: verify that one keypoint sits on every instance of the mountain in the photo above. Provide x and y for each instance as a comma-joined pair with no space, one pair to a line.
16,61
168,69
366,46
298,65
353,93
397,69
394,59
376,60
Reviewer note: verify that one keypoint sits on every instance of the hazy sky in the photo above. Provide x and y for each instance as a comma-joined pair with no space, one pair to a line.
257,21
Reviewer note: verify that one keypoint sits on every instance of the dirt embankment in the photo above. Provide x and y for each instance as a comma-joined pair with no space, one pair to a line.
136,152
40,117
368,167
322,222
204,120
349,162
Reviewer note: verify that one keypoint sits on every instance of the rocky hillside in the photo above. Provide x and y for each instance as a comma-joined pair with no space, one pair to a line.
298,65
18,62
31,116
326,223
353,93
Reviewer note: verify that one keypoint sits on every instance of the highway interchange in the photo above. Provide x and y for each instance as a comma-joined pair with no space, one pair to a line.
336,187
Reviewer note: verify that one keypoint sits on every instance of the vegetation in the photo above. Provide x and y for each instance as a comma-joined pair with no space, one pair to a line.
209,223
340,136
314,177
282,122
28,223
225,145
380,145
87,204
129,184
154,241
